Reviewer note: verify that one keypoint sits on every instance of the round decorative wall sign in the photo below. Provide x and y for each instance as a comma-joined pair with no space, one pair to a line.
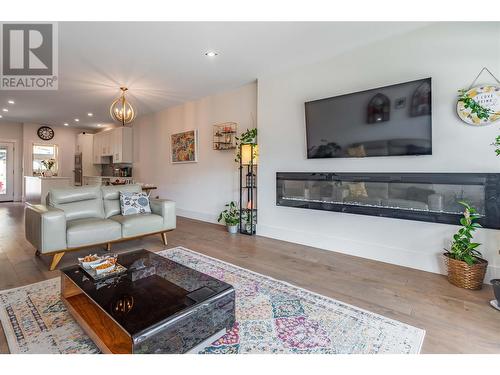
479,105
46,133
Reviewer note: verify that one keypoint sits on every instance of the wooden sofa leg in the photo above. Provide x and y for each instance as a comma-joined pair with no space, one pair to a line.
164,238
55,260
108,246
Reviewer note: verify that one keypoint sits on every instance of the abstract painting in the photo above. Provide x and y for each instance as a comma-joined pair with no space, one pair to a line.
184,147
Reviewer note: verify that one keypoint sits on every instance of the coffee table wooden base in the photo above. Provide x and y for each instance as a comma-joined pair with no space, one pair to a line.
103,330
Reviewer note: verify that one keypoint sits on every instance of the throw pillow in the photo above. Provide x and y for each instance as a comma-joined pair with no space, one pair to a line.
358,190
134,203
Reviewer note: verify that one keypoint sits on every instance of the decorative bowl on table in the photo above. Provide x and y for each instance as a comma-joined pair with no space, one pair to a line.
88,261
104,267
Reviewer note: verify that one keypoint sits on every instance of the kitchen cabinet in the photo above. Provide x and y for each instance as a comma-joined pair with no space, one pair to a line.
113,146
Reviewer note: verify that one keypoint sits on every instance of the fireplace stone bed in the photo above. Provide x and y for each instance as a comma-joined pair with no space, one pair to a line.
432,197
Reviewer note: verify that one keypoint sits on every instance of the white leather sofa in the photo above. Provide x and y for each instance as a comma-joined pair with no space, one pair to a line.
75,218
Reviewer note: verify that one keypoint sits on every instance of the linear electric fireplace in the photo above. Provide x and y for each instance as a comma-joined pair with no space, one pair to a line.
432,197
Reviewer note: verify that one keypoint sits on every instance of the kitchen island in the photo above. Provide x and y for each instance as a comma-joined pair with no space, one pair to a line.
36,188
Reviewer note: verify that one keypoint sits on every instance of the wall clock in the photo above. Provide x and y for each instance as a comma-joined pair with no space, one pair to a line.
479,105
45,133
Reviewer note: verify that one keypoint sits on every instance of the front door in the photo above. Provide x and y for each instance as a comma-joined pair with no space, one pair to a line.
6,172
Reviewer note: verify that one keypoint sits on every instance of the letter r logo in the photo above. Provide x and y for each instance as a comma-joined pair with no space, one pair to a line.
27,49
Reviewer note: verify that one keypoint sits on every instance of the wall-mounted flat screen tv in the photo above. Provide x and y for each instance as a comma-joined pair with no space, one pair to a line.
388,121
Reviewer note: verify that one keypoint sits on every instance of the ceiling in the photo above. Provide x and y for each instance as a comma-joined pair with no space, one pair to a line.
164,64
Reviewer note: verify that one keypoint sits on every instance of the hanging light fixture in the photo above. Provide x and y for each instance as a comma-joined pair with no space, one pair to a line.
121,110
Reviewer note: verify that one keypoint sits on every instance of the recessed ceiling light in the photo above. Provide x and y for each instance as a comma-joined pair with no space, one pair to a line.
1,116
211,53
77,119
90,114
99,125
11,101
66,124
5,110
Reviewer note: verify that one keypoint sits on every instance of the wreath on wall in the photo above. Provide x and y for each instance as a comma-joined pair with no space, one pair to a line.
480,105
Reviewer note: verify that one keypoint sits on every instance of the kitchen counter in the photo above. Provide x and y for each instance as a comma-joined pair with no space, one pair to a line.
102,180
36,188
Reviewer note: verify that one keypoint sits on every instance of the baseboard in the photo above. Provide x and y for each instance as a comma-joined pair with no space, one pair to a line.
402,257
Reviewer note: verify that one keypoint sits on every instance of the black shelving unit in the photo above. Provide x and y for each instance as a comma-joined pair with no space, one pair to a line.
248,193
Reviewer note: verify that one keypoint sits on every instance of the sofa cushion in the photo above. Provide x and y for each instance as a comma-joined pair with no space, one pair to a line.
111,197
78,203
134,203
139,224
83,232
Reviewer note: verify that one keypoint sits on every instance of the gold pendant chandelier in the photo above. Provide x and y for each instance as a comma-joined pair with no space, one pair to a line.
121,110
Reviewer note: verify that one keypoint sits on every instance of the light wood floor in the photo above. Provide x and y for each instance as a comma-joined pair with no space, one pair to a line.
456,320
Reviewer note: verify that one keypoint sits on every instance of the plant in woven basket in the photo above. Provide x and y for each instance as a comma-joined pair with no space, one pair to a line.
466,268
462,247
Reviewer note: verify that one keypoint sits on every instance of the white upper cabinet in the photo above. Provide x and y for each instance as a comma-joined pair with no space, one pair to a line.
115,143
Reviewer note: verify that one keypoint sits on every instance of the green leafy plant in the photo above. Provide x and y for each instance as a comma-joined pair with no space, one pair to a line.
249,137
462,247
481,112
497,145
231,215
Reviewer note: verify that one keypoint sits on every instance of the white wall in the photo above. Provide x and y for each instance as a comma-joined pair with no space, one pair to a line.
452,54
200,189
13,131
64,138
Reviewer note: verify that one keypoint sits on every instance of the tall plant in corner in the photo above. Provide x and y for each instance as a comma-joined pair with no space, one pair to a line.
466,268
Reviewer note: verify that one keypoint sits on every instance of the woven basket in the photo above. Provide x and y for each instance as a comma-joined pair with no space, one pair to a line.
465,276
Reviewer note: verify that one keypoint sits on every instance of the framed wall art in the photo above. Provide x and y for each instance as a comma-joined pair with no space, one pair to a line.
184,147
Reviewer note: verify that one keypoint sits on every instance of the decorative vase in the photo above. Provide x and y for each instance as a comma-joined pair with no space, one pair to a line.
464,276
233,229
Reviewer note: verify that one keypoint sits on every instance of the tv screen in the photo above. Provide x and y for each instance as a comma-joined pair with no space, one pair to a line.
387,121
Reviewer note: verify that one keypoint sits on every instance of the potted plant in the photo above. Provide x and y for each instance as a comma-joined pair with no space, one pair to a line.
48,165
466,268
231,217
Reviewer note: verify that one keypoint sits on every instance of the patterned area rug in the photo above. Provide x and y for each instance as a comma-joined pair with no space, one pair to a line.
272,317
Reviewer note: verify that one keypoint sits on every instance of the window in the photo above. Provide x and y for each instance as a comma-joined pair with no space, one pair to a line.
47,153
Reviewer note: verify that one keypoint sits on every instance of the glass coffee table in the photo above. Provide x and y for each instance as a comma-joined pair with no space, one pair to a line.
156,306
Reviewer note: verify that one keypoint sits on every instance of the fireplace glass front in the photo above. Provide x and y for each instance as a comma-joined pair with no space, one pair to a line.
433,197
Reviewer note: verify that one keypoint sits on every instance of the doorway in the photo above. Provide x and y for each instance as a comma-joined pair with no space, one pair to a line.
6,171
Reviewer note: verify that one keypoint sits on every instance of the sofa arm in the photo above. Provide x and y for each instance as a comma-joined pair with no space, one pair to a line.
165,209
45,228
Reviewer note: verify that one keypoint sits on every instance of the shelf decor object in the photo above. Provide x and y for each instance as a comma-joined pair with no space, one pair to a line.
224,136
248,187
184,147
479,105
121,110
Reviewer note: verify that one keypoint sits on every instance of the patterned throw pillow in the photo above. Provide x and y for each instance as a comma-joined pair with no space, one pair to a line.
134,203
